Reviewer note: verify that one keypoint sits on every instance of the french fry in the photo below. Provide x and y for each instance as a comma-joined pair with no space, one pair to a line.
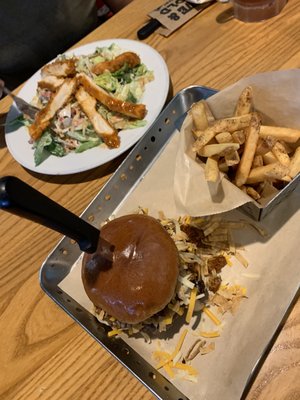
285,178
288,135
244,104
252,192
199,117
295,164
232,124
218,149
248,153
258,161
271,172
203,137
221,125
280,153
211,170
238,137
224,137
265,144
269,158
223,167
232,158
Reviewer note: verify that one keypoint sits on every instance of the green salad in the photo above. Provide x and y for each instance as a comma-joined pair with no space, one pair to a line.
70,130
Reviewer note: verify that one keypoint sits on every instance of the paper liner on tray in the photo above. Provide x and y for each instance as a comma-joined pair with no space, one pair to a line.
277,99
271,280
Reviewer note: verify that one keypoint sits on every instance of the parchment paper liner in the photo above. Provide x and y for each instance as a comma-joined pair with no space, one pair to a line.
276,98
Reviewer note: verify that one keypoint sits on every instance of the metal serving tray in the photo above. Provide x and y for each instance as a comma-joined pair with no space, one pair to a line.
58,264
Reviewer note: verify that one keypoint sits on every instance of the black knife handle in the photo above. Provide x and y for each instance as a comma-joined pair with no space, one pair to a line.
149,28
23,200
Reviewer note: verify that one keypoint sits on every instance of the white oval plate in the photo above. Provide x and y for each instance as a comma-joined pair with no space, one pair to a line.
154,98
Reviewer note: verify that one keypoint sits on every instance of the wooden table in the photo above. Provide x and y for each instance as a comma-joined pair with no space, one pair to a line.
43,353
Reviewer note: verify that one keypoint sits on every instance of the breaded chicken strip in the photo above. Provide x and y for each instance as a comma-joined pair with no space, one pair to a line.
51,82
101,126
132,110
61,68
129,58
58,100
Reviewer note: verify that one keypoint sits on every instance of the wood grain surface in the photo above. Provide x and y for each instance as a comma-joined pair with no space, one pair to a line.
43,353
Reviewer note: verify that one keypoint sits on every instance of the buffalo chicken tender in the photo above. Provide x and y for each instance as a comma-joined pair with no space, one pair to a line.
107,133
253,156
129,58
51,82
112,103
60,68
59,99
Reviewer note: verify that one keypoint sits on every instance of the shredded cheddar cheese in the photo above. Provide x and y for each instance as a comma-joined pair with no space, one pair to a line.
211,315
191,307
175,352
169,370
191,370
211,334
114,332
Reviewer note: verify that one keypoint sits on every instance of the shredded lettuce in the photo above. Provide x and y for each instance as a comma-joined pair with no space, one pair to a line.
45,146
87,145
107,81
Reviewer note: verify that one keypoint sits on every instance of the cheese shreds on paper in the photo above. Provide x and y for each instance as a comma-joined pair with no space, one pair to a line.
211,334
211,315
191,305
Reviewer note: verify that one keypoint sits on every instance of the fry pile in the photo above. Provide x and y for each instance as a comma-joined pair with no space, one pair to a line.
259,159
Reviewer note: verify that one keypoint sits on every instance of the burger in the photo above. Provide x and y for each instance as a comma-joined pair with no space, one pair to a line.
158,266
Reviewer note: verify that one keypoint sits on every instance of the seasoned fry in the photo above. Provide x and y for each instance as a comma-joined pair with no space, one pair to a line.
249,152
221,125
232,124
252,192
295,164
130,109
203,137
265,144
218,149
269,158
244,104
288,135
211,170
232,158
199,116
101,126
271,171
280,153
258,161
224,137
223,167
238,137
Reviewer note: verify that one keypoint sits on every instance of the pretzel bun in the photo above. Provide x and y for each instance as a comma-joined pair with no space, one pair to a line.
141,279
